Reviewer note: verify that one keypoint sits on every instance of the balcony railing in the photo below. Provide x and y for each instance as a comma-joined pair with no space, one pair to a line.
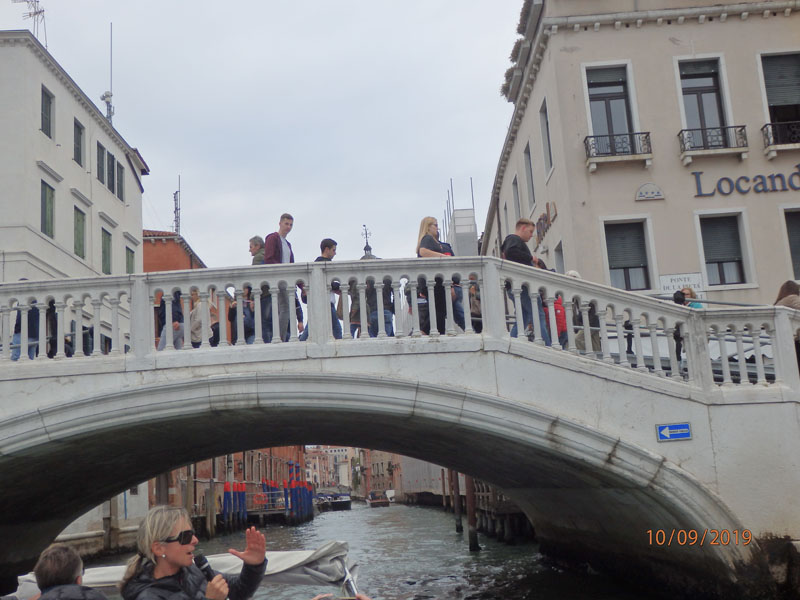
713,138
777,134
619,144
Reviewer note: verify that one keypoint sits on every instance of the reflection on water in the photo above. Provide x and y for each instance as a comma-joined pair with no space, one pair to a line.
414,553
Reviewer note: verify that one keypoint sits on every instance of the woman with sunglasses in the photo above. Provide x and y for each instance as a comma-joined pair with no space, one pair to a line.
164,569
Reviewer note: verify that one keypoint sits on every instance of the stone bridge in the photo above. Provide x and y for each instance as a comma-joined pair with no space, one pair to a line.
572,435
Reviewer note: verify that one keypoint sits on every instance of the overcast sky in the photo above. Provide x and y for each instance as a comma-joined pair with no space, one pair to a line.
347,113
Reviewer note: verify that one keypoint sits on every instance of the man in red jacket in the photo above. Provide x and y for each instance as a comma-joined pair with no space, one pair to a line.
278,250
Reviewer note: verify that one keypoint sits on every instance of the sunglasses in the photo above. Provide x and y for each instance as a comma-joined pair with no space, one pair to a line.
183,538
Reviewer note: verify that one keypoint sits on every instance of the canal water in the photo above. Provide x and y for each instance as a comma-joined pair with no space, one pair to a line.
414,553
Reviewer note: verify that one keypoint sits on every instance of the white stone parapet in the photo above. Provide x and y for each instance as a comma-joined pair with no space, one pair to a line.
117,317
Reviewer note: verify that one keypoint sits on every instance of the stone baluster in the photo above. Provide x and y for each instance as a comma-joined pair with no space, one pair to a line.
255,293
60,330
240,337
379,303
5,337
42,354
23,332
695,338
345,289
167,332
551,318
605,343
187,321
536,324
738,333
450,322
571,346
292,293
362,305
398,308
674,361
97,306
205,318
432,316
414,309
619,320
76,314
467,305
758,351
517,292
637,343
587,329
721,333
652,327
117,340
277,334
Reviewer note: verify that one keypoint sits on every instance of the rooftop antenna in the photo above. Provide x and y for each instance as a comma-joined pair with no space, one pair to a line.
177,198
106,97
472,192
36,13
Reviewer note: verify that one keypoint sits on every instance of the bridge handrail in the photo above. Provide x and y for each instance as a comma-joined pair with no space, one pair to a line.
703,348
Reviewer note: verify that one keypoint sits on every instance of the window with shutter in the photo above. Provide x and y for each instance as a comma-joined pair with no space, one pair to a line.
101,163
723,250
782,83
627,256
80,233
793,229
47,113
106,251
48,210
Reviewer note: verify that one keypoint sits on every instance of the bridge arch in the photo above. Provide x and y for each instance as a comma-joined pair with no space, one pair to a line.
588,494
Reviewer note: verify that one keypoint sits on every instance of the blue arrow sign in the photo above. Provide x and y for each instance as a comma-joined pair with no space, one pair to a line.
673,432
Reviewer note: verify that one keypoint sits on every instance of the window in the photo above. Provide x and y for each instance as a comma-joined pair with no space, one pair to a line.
78,133
515,190
130,261
80,232
106,258
110,179
627,256
120,182
101,163
793,229
545,125
702,103
782,80
529,177
48,210
723,250
47,113
610,110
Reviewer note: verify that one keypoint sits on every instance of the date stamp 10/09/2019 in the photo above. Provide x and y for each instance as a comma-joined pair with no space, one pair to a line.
698,537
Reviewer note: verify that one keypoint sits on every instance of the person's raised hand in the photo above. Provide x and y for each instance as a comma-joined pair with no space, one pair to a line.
255,549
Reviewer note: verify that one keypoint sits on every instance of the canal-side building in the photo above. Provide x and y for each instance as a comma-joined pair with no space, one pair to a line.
656,144
71,207
72,201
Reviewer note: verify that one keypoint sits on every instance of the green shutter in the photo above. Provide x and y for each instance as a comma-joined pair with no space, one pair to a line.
47,113
48,209
130,261
793,229
626,245
721,239
80,233
101,163
110,172
782,79
106,252
120,182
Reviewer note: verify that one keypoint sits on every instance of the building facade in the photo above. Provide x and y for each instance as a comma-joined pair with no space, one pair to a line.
72,201
656,144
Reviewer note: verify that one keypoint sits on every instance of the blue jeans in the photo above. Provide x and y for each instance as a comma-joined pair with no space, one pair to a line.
336,327
387,323
458,306
527,316
16,350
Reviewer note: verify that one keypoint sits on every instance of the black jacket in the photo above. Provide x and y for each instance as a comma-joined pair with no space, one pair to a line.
72,592
190,584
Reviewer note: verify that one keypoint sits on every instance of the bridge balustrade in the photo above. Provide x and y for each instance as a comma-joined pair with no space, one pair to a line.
113,315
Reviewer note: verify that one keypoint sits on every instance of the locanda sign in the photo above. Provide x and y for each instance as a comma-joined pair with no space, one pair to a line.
758,184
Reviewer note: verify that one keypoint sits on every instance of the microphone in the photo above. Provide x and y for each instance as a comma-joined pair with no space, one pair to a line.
202,564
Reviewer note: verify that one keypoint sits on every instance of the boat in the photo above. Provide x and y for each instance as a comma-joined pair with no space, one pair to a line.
377,499
322,502
340,502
